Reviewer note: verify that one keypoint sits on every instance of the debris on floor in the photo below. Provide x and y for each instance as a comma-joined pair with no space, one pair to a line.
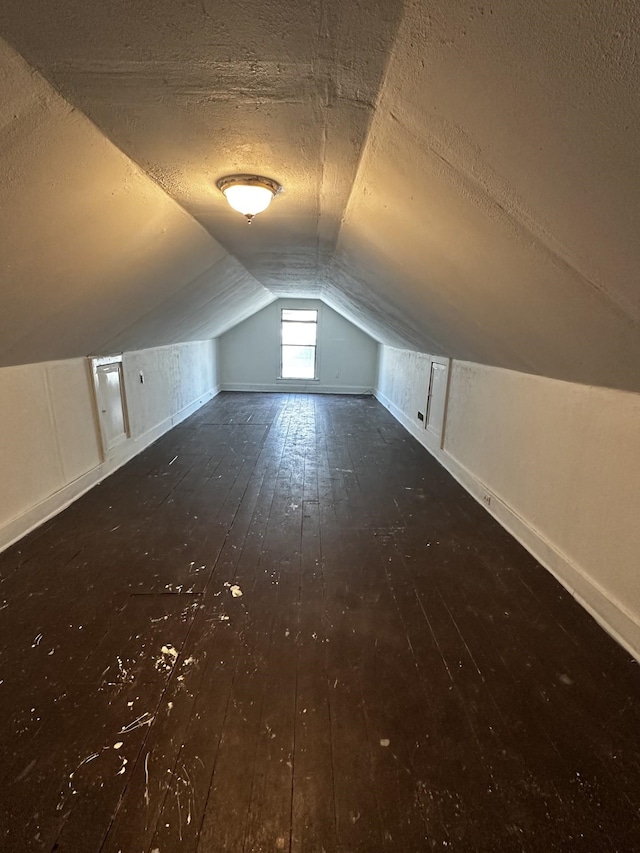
167,658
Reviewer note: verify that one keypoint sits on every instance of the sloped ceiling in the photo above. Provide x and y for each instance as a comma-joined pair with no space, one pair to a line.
497,204
95,256
460,178
192,90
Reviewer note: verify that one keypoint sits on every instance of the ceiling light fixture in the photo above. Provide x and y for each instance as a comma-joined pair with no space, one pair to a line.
248,194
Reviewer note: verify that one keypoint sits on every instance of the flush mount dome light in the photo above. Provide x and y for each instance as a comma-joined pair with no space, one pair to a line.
248,194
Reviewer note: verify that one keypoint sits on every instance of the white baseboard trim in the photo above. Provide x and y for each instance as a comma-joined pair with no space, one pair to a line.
288,387
188,410
14,530
418,432
611,614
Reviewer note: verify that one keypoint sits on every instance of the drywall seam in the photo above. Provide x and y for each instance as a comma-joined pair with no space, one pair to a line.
52,421
610,613
21,525
287,387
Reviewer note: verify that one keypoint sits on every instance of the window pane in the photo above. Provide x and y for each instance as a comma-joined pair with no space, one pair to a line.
300,315
298,362
299,333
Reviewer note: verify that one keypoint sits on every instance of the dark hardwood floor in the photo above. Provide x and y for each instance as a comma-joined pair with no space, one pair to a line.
398,674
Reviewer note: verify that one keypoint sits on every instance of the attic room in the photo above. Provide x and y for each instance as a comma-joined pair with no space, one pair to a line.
319,531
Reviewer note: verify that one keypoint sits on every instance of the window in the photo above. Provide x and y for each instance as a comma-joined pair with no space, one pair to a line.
298,335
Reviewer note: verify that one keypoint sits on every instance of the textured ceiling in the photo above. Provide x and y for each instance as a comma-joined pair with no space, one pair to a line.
95,256
460,178
497,204
192,91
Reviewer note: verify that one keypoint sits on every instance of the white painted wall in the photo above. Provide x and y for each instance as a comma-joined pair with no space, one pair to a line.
176,379
50,451
560,463
250,353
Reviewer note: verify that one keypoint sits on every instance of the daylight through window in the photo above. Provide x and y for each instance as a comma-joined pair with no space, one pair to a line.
299,331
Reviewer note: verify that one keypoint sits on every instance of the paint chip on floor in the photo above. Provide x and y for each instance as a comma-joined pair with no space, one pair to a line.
167,659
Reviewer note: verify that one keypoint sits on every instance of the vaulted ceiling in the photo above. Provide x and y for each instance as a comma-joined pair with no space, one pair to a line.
460,178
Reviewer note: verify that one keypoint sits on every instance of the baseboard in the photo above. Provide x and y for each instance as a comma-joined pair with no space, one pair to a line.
610,613
55,503
187,411
14,530
288,387
425,438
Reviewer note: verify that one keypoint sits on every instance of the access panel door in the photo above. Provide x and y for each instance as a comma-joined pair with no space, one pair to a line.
110,402
437,398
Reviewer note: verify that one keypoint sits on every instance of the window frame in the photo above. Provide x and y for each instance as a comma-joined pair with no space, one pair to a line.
316,322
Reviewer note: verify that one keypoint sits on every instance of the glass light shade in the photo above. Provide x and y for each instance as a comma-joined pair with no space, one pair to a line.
248,194
248,199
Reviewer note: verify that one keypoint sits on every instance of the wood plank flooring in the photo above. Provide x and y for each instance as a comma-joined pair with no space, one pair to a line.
397,674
